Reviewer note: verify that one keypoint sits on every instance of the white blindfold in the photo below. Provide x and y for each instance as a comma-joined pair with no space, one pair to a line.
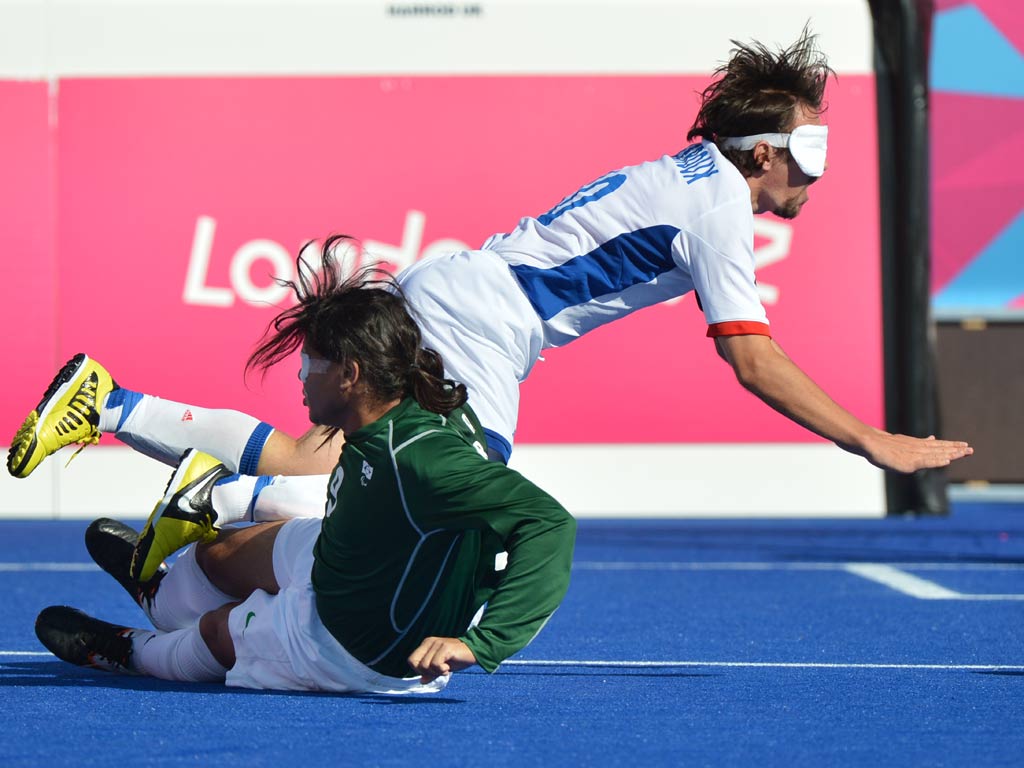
312,365
807,144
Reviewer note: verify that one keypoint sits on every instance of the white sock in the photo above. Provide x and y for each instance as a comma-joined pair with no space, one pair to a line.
233,497
263,499
178,655
184,595
285,498
163,429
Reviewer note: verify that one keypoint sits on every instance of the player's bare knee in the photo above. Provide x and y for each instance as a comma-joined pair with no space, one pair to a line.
213,628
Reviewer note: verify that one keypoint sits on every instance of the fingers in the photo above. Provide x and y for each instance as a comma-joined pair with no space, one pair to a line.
430,659
940,453
945,456
419,659
437,656
902,453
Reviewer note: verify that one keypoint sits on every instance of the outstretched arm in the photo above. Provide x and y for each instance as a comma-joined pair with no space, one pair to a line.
763,368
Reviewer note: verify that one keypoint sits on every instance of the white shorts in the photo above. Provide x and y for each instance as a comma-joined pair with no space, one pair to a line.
280,642
473,312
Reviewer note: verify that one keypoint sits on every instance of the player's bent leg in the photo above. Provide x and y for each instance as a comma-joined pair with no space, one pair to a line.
241,560
185,594
83,401
201,496
175,598
164,429
185,513
67,413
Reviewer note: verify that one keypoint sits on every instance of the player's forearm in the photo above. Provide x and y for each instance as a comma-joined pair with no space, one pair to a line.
782,385
532,588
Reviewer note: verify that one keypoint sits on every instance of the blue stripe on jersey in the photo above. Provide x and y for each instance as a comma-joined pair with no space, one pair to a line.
630,259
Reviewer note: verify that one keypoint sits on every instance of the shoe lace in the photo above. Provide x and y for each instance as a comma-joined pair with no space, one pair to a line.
83,403
115,649
91,440
146,590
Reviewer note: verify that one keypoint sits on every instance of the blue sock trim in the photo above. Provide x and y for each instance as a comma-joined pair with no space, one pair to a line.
498,444
251,455
261,482
126,400
228,479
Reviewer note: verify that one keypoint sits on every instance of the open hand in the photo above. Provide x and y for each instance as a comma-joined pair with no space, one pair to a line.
902,453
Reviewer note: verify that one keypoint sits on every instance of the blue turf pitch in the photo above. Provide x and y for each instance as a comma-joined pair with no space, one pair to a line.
729,643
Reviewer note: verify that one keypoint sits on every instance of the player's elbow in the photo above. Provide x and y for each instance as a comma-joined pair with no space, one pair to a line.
752,359
749,372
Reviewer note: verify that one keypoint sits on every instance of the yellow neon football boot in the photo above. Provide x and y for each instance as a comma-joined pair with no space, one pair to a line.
185,513
68,413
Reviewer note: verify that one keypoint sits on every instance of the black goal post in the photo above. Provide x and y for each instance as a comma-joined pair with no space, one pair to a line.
902,32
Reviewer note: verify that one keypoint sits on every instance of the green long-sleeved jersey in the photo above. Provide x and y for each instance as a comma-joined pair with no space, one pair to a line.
415,520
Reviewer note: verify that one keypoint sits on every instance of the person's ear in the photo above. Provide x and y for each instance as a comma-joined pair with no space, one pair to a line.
763,155
350,374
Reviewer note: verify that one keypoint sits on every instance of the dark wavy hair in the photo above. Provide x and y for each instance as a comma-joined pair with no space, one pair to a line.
757,91
361,318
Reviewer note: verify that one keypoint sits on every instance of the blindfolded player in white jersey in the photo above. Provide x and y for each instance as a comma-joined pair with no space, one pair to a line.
633,238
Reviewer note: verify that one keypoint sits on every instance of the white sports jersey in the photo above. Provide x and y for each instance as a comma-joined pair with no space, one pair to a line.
633,238
639,236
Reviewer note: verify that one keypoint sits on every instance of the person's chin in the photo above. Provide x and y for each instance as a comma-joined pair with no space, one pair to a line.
790,210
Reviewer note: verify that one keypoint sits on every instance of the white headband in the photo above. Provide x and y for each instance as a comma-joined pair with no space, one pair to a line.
807,144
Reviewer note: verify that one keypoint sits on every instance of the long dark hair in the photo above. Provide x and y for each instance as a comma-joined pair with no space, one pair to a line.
360,318
757,91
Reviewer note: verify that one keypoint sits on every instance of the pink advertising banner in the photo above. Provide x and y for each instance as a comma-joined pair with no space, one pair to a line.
178,200
28,290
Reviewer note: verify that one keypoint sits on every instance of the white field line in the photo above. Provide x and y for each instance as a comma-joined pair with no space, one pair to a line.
626,565
53,567
755,664
911,585
26,653
613,565
628,664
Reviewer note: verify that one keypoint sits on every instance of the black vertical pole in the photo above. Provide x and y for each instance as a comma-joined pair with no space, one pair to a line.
902,30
